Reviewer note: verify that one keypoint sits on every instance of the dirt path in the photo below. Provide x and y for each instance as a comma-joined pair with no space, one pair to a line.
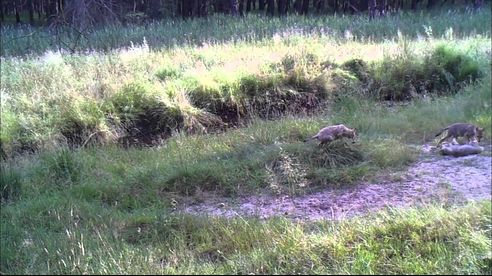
434,178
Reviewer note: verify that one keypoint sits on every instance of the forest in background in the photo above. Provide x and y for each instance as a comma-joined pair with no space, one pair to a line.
86,13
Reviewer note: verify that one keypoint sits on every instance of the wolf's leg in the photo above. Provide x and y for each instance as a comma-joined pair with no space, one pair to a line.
442,140
472,140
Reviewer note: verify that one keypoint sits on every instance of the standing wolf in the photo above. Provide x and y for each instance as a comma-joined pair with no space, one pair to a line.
331,133
461,130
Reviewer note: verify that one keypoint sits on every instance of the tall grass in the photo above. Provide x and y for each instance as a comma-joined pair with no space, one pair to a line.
247,159
72,237
251,28
143,96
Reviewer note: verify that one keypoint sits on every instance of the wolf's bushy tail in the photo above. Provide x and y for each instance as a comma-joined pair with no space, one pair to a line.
441,131
310,138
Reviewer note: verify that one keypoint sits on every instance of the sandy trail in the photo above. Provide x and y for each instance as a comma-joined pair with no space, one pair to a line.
432,179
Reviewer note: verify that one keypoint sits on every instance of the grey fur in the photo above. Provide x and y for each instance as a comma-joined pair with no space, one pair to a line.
461,150
461,130
334,132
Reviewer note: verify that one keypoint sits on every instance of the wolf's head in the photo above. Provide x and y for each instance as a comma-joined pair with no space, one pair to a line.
352,133
480,133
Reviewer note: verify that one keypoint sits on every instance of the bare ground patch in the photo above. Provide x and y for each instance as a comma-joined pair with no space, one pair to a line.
433,179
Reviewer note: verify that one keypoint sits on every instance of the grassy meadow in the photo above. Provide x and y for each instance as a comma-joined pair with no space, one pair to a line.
98,146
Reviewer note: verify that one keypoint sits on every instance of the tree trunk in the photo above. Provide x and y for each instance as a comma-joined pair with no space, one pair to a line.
361,5
233,7
203,11
196,8
305,7
186,8
2,15
30,7
282,7
372,8
298,6
249,4
59,6
321,6
345,6
271,7
431,3
384,7
261,5
413,5
51,10
477,4
335,6
39,9
241,7
17,11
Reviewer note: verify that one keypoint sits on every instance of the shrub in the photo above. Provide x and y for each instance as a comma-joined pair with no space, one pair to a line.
406,77
131,101
452,66
168,73
358,67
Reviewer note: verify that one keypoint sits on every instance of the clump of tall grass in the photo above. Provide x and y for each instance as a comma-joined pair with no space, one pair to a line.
143,113
10,183
62,166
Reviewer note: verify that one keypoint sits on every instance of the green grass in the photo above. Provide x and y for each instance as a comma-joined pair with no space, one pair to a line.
245,160
139,96
106,209
80,237
252,28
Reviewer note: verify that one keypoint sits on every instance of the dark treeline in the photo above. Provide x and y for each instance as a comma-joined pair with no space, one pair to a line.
90,12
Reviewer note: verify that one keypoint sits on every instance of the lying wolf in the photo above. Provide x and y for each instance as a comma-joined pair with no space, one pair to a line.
461,150
331,133
461,130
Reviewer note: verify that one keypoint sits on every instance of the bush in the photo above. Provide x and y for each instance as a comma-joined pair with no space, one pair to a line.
132,100
407,77
452,66
358,67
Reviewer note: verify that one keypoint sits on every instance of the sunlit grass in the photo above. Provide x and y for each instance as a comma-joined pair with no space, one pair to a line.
55,96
